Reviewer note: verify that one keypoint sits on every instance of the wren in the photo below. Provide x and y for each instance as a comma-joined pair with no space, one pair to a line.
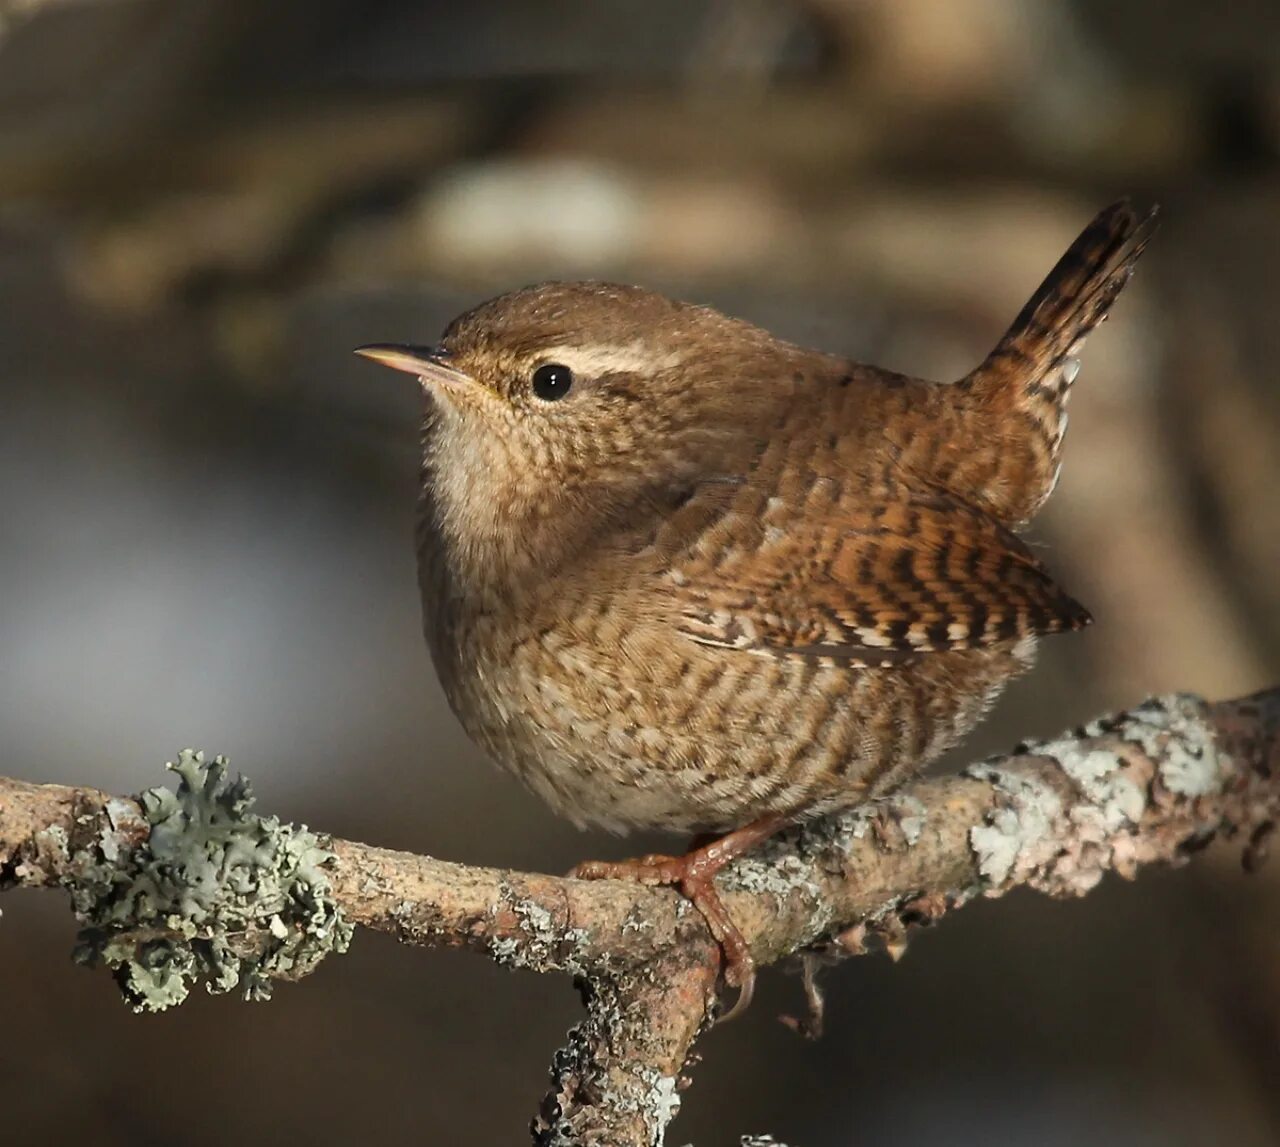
680,574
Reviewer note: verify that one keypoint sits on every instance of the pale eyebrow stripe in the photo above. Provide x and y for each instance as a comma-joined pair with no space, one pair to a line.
628,358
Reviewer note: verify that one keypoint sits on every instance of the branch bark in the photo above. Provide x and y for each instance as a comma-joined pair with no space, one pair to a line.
1150,785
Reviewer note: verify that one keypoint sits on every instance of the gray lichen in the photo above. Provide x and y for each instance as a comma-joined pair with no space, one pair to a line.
894,821
912,815
163,913
1189,764
544,942
841,830
606,1086
1065,840
659,1102
775,869
1014,836
666,1098
784,864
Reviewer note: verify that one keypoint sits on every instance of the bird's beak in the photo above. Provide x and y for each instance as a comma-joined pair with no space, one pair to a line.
427,362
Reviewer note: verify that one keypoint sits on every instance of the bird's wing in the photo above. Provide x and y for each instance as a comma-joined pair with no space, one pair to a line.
872,585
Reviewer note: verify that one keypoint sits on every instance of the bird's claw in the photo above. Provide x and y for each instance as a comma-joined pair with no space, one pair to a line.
698,887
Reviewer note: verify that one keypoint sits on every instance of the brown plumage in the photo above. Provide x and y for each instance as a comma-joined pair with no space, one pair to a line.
678,573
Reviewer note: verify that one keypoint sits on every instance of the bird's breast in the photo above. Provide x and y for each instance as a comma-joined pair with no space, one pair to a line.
596,702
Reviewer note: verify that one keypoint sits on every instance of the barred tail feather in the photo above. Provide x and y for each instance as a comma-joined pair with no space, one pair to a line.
1033,366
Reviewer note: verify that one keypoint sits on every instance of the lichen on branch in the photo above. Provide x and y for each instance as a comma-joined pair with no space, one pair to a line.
163,913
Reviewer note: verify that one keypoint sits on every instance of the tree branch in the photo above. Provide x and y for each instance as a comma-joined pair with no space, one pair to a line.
1150,785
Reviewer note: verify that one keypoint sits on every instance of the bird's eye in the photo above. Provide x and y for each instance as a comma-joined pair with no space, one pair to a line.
552,381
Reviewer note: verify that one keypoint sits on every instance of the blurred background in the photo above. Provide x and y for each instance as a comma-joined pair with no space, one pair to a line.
206,503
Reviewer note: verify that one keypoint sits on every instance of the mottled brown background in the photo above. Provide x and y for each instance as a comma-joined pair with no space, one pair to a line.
205,503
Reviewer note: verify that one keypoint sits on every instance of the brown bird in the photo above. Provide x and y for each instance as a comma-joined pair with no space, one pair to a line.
678,573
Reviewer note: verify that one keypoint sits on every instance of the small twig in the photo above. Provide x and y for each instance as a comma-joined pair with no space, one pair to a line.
812,1023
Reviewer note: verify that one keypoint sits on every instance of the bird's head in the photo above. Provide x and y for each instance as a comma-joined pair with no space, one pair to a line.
591,392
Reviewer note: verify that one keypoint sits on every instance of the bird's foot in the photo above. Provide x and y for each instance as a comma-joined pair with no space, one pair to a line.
694,874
